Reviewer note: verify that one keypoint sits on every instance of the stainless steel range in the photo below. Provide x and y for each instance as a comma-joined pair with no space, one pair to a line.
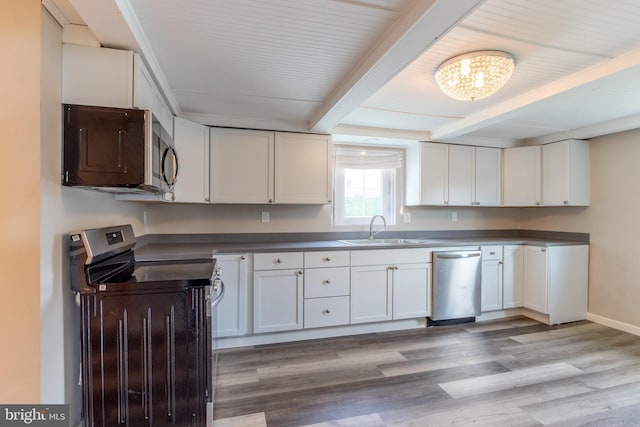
146,333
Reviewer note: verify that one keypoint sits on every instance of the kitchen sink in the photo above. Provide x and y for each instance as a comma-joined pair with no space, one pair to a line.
373,242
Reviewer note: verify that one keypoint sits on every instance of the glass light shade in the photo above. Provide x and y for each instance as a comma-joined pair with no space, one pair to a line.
475,75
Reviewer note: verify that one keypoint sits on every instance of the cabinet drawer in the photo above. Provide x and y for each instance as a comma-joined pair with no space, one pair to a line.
491,252
277,261
390,256
326,282
319,312
326,259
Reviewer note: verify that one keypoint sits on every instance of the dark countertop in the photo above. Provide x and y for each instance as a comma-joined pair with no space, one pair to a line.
163,248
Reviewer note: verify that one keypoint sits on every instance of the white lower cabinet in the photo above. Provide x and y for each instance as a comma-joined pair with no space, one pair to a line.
535,279
232,313
512,275
411,290
389,284
370,294
556,281
491,291
277,292
326,289
491,278
327,311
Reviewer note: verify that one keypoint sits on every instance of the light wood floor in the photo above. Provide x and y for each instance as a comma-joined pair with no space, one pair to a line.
513,372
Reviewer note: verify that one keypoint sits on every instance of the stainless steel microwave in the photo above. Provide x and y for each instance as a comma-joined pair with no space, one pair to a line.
117,150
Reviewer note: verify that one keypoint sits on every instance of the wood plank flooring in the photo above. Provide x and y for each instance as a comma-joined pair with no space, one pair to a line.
510,372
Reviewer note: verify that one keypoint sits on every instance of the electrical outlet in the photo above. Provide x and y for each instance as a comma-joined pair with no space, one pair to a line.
407,217
265,217
454,216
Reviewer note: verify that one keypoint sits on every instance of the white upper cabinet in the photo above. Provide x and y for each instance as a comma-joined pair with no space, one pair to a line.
427,174
192,145
241,166
462,175
110,78
302,168
522,176
488,179
97,76
263,167
453,175
565,173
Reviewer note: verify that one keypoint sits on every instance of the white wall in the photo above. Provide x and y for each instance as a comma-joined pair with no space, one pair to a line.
63,210
613,222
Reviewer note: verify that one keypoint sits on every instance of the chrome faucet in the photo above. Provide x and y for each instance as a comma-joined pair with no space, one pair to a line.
371,233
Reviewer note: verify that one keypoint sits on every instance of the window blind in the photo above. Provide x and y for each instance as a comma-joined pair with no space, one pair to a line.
349,157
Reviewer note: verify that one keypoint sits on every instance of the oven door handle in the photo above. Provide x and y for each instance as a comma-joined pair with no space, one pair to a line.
218,285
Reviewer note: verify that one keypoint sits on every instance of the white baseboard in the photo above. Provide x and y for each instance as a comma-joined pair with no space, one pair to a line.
316,333
616,324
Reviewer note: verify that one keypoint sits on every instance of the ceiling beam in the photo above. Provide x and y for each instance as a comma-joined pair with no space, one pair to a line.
417,29
605,128
373,132
515,106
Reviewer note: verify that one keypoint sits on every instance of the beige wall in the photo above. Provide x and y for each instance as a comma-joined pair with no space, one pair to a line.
613,219
297,219
20,212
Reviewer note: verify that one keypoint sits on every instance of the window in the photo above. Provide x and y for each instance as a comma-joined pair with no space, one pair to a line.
366,184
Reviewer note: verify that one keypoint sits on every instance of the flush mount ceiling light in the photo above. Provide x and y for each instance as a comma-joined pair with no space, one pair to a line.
475,75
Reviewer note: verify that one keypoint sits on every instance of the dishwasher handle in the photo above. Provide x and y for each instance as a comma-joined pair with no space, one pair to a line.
457,255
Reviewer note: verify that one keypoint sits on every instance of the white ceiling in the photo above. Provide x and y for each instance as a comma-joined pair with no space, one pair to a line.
365,68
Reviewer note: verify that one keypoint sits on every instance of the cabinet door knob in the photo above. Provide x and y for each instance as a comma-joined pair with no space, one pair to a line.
300,272
543,250
327,259
278,261
566,202
326,311
492,253
537,203
326,282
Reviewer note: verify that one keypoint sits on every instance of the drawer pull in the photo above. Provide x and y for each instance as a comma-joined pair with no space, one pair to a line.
278,261
326,311
492,253
327,259
326,282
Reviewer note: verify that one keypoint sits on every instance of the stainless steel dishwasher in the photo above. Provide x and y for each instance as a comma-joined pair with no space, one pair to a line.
456,287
